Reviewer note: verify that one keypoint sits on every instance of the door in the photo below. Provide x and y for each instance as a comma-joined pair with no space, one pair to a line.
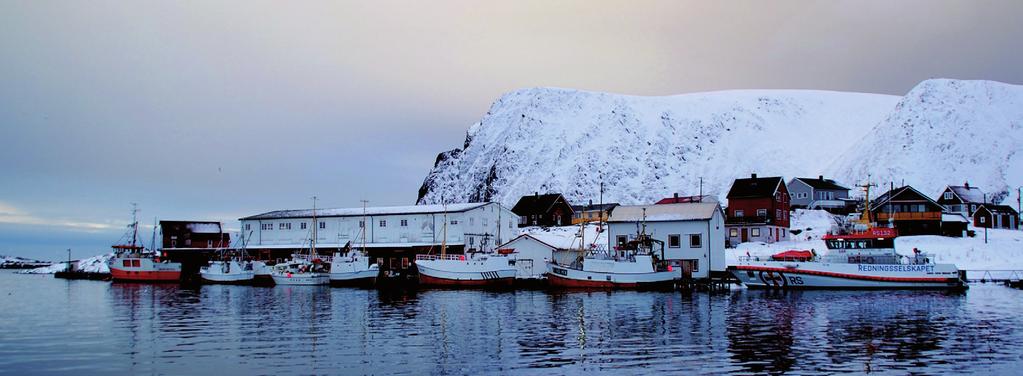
745,235
525,267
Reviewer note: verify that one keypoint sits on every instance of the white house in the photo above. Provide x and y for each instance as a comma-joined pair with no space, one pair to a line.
394,233
693,233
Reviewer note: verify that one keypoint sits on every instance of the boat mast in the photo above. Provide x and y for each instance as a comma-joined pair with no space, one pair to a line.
312,242
364,224
152,242
444,234
134,224
866,202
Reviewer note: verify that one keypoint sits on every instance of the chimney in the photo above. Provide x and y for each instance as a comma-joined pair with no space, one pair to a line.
820,177
753,175
966,185
536,194
676,196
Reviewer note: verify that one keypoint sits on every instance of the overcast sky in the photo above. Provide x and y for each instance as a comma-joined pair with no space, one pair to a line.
216,110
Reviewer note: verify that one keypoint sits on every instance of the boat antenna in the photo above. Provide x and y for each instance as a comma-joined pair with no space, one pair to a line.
866,201
364,224
134,224
312,243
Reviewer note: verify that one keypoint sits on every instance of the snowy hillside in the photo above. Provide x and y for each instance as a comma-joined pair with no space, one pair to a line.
95,264
945,132
559,140
646,148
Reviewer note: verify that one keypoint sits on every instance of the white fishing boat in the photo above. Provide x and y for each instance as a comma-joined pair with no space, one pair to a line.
228,271
351,267
309,269
635,265
856,259
485,268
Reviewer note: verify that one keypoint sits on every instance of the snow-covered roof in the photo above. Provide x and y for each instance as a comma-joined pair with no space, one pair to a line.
379,210
205,228
968,194
665,212
946,217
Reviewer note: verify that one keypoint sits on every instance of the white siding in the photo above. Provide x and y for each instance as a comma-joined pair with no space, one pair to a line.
710,254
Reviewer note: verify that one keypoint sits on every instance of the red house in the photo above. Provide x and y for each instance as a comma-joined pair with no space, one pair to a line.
758,210
193,235
996,216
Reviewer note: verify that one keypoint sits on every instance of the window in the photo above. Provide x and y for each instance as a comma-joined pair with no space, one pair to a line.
323,225
284,226
472,221
777,213
948,195
188,242
454,221
362,224
695,241
674,241
733,232
761,212
404,223
174,241
982,219
754,232
248,226
511,224
739,213
484,222
266,226
621,239
383,223
302,226
209,244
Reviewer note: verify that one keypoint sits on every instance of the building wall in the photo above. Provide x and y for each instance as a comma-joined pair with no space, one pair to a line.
796,189
764,233
463,228
530,256
710,255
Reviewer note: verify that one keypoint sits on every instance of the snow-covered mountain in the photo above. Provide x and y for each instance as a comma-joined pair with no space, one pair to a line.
646,148
945,132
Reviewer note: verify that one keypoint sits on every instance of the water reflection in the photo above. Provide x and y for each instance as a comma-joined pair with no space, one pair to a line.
94,327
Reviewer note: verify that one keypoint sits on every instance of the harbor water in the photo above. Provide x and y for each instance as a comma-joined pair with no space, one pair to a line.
53,326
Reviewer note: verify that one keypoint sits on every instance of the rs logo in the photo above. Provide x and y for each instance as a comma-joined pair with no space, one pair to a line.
772,279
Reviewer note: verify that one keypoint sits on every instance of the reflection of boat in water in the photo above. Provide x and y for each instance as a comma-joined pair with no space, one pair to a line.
634,265
134,263
864,258
303,269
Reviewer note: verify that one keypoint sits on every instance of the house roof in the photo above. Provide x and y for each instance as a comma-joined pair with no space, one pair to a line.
754,187
821,183
899,194
685,199
969,195
999,209
538,204
604,207
354,212
665,212
546,242
946,217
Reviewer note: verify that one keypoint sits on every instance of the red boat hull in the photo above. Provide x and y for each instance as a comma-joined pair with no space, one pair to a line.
496,282
144,276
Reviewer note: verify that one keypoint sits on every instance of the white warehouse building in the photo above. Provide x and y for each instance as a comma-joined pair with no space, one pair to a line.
693,234
395,234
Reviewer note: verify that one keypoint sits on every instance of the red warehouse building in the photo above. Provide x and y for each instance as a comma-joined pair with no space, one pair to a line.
758,210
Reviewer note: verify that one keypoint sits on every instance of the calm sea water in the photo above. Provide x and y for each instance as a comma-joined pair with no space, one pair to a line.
51,326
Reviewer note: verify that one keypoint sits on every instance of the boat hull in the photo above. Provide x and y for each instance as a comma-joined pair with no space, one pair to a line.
818,275
301,279
357,278
451,273
562,277
144,270
229,278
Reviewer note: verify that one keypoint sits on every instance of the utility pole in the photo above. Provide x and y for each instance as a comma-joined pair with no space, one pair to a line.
69,260
986,225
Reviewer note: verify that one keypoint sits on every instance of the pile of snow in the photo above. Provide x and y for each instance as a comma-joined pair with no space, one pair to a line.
810,225
567,237
943,132
14,261
95,264
1003,251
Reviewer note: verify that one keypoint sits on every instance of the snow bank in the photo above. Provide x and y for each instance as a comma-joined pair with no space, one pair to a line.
567,236
95,264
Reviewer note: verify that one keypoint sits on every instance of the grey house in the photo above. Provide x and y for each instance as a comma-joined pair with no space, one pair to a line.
819,193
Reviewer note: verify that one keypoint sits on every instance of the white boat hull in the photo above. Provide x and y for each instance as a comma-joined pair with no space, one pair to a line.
301,279
821,275
493,271
236,273
560,276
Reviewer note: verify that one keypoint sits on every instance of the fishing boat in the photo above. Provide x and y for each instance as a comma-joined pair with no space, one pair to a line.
485,268
229,267
351,267
638,264
302,269
858,257
133,263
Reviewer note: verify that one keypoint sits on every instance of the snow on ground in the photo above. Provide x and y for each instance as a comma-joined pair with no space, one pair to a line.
14,260
567,236
1003,251
95,264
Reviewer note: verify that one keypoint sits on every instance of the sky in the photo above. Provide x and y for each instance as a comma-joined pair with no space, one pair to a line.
214,110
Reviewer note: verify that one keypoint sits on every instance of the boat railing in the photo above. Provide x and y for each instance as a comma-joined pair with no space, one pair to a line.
439,257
